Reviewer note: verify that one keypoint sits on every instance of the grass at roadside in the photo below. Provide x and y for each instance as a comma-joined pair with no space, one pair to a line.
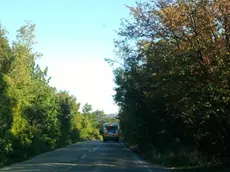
183,160
204,169
180,158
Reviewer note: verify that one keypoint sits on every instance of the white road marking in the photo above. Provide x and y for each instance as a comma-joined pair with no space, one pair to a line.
83,157
92,148
72,166
138,160
96,148
76,164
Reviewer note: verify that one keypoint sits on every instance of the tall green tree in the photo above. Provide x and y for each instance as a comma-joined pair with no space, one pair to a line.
87,108
21,91
68,108
173,79
6,59
35,117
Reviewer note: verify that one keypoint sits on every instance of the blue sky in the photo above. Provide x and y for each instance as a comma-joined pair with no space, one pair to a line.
74,37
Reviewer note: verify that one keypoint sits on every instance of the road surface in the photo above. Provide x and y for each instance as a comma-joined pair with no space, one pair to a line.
89,156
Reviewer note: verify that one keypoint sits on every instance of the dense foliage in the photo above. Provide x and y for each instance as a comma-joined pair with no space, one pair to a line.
173,79
35,117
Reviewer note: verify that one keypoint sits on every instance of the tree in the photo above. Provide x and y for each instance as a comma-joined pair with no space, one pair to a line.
87,108
21,91
174,69
6,59
68,108
34,116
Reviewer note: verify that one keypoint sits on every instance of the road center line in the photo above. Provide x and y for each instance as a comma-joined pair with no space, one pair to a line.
92,148
76,164
83,157
96,148
71,167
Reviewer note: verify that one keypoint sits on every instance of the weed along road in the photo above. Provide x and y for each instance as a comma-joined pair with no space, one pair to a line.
89,156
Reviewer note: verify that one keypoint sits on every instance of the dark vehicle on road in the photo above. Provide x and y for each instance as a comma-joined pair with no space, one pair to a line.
111,131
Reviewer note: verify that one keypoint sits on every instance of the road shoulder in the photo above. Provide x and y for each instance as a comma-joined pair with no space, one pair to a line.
145,163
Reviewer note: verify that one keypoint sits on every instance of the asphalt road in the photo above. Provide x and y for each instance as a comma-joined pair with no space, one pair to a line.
90,156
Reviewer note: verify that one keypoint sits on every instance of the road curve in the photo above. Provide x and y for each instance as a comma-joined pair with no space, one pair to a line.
89,156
